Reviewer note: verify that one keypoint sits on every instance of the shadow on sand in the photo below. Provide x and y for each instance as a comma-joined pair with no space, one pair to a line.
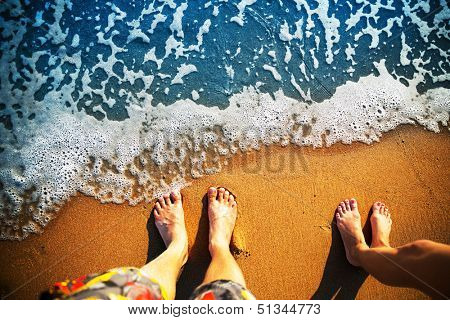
340,279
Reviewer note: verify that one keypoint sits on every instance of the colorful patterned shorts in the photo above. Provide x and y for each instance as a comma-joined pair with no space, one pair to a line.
132,284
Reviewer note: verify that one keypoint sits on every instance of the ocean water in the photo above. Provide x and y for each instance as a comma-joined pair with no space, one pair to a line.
124,100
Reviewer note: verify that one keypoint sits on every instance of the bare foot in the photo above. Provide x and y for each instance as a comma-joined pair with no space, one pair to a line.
381,225
169,219
222,214
348,221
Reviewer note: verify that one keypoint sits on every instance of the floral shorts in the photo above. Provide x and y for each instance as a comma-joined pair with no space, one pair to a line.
132,284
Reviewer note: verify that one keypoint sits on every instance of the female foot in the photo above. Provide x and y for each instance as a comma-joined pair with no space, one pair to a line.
381,225
222,214
169,219
348,221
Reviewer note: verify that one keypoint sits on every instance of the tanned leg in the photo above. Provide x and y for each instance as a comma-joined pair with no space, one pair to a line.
422,264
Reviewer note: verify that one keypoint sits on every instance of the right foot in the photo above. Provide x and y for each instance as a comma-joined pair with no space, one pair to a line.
348,221
169,219
222,214
381,225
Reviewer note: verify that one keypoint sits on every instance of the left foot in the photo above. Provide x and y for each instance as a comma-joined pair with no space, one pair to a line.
348,221
169,219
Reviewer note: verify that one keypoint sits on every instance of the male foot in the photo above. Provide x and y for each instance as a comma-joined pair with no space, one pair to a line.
169,219
381,225
348,221
222,214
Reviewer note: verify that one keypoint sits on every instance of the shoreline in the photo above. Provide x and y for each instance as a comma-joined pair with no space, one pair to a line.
286,199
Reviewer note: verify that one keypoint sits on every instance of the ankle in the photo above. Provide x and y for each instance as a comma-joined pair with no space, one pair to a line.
179,245
380,244
216,248
357,250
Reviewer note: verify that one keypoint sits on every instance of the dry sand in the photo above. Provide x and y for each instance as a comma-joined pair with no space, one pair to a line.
286,198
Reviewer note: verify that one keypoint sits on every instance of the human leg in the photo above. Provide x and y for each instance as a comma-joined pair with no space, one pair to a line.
422,264
169,219
222,214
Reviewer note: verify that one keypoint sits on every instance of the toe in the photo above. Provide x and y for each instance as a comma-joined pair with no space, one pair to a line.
161,202
231,198
347,204
382,208
167,199
340,211
176,196
376,207
221,194
226,195
212,193
353,204
156,209
342,205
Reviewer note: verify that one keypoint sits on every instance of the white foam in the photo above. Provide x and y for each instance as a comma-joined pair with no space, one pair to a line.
239,19
330,24
288,55
204,29
195,95
313,56
349,53
39,21
176,25
215,12
272,53
75,41
183,70
159,18
404,52
151,56
284,32
230,71
273,71
306,96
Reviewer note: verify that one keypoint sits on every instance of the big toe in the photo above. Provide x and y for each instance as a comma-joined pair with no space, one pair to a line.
353,204
176,196
376,207
212,193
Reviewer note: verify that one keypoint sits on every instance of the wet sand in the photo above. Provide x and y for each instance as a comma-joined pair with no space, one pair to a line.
286,198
